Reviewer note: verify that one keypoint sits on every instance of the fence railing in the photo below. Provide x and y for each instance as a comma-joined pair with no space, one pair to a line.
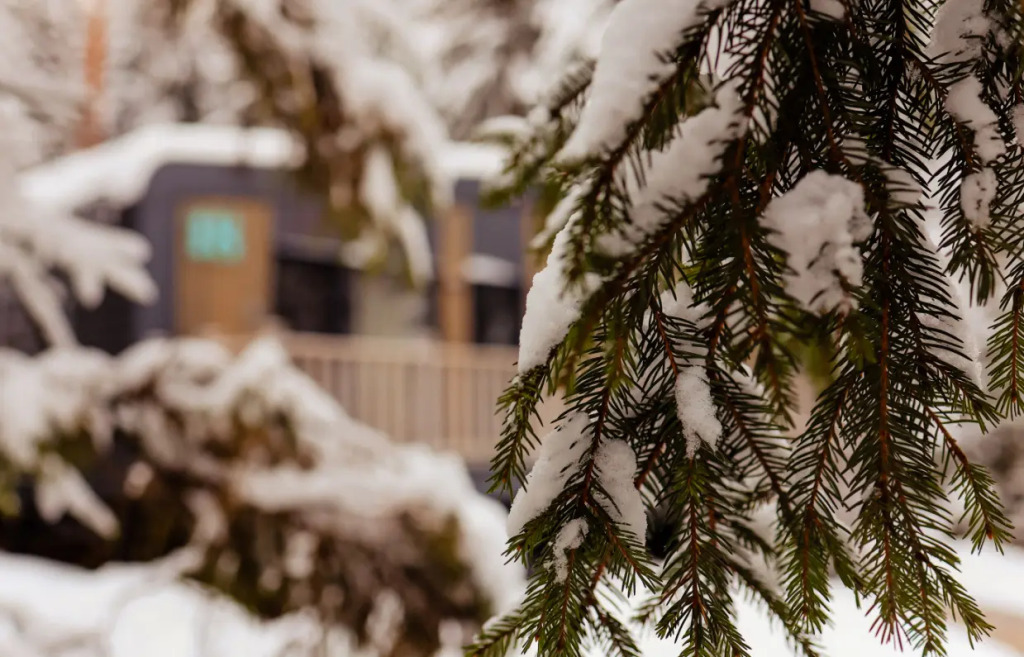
438,393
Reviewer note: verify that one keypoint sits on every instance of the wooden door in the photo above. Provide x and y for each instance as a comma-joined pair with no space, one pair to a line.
224,265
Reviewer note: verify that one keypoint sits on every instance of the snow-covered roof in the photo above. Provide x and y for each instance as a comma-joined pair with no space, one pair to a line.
472,160
118,171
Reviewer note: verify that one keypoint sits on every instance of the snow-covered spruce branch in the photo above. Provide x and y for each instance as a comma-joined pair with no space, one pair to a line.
776,159
288,504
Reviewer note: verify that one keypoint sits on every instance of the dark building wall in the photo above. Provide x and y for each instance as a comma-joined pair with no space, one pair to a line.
306,251
295,214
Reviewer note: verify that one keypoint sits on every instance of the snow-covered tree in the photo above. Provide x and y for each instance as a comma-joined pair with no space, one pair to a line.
255,479
740,176
40,101
335,74
496,58
237,469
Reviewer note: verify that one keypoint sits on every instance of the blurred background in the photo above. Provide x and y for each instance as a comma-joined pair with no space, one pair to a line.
258,300
255,314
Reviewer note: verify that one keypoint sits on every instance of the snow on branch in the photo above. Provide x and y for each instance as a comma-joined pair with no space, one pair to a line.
557,461
36,243
964,102
696,409
681,172
237,438
960,27
616,467
635,58
551,305
817,224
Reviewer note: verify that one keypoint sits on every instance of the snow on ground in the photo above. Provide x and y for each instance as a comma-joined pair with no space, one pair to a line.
53,610
132,610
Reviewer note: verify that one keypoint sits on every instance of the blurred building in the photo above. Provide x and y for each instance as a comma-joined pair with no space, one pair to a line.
239,247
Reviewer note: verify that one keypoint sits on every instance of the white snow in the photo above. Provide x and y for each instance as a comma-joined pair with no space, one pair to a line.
965,104
616,467
126,611
119,170
967,329
630,67
679,303
833,9
483,269
817,224
199,393
960,26
976,194
472,160
558,459
696,409
681,171
381,196
37,236
52,610
570,537
552,305
53,393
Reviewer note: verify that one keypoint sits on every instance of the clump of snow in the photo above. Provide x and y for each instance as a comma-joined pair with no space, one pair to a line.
616,467
680,304
570,537
833,9
696,409
631,65
965,104
977,191
681,171
817,224
552,305
960,26
557,461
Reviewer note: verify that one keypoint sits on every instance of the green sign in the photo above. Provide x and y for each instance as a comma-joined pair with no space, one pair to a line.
214,236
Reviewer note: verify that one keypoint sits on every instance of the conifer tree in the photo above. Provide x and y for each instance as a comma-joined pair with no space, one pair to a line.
739,177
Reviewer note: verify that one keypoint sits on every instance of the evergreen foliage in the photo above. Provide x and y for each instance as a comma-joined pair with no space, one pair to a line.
870,91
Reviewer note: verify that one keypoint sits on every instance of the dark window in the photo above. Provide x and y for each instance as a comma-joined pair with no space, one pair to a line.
496,314
313,296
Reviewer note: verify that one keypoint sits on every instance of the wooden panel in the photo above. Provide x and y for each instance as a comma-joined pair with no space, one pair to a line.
224,265
437,393
454,300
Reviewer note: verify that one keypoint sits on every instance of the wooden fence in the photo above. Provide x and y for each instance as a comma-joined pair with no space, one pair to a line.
439,393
